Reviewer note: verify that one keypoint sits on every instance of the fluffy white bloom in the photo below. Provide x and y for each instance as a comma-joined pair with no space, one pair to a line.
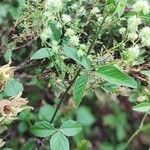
132,36
55,46
95,10
74,40
69,32
53,3
141,6
46,33
145,36
122,30
133,23
66,18
134,52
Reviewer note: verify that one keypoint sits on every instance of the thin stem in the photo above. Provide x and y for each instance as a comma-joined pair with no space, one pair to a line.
78,72
64,95
138,130
96,35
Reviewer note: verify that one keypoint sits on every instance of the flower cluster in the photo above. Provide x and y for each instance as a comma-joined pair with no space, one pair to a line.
66,18
57,4
145,36
141,6
133,23
135,33
73,38
133,52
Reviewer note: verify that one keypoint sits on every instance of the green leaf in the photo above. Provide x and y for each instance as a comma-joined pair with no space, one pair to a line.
84,112
146,128
70,128
46,112
22,127
84,145
59,142
13,88
110,6
72,53
121,7
8,55
56,31
142,107
146,72
42,53
42,129
78,89
114,75
29,145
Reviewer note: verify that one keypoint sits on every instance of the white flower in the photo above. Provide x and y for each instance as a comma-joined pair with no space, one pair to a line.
141,6
95,10
55,46
132,36
133,23
53,3
46,33
134,52
69,32
66,18
145,36
122,31
74,40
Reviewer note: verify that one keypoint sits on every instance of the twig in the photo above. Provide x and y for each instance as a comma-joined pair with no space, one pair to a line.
138,130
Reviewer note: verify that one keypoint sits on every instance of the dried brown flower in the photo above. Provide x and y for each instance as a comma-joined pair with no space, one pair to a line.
12,106
6,72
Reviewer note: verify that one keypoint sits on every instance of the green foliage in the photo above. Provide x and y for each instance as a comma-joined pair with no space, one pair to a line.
46,112
56,31
70,128
42,53
72,53
84,112
59,142
8,55
30,145
78,89
13,88
121,7
42,129
114,75
59,50
146,72
142,107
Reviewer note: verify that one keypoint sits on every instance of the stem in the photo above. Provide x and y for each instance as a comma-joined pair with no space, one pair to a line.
64,95
138,130
78,72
